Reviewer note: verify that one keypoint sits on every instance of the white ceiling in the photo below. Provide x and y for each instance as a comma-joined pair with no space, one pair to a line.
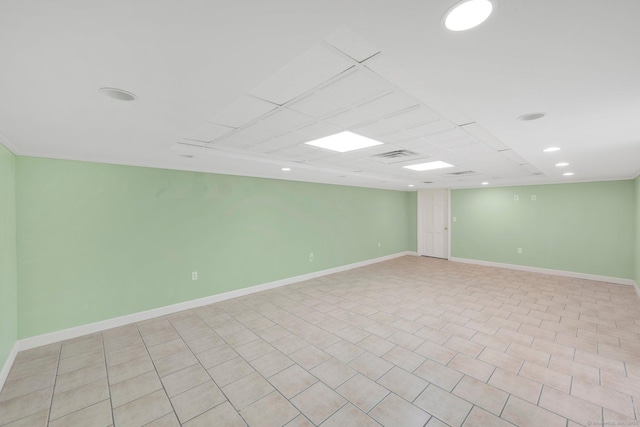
239,87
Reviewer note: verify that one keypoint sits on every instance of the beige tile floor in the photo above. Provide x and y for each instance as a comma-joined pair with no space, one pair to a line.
407,342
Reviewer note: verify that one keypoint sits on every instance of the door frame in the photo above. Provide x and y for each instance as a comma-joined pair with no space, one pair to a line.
448,220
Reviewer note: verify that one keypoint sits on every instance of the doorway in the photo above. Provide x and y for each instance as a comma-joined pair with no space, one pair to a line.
433,223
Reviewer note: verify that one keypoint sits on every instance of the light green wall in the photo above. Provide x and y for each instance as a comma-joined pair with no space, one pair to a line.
8,269
583,227
637,249
97,241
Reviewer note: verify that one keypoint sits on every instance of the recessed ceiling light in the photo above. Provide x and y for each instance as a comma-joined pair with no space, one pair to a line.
119,94
551,149
429,166
411,185
568,174
285,169
343,142
467,14
530,117
562,164
484,183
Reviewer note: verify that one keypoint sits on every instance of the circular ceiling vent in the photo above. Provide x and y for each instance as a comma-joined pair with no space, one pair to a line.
119,94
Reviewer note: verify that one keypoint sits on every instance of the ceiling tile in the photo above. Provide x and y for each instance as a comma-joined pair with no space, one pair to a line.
208,132
305,153
243,111
356,87
347,119
449,135
279,142
285,120
316,105
351,44
431,128
485,136
375,129
319,130
248,136
413,117
513,156
387,104
396,137
307,71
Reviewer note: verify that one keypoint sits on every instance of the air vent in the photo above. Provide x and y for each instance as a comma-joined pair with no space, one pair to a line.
428,182
462,173
396,154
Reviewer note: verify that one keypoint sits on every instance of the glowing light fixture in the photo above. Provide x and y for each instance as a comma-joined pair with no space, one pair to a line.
343,142
551,149
429,166
467,14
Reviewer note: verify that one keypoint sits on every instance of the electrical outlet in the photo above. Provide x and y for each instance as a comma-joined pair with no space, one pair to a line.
194,275
310,256
533,197
519,250
516,198
379,244
454,219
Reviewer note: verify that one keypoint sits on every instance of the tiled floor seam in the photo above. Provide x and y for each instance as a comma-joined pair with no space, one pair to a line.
104,350
55,383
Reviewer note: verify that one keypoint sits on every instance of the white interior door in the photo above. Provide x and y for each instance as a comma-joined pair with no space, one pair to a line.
433,223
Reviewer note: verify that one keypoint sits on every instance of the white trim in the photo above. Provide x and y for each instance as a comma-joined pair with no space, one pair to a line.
4,373
65,334
576,275
635,285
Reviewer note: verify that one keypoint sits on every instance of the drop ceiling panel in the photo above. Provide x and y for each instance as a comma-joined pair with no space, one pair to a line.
459,143
485,136
396,137
387,104
319,130
278,142
413,116
249,135
356,87
448,135
374,130
347,119
514,157
314,67
285,119
475,150
431,128
304,153
351,44
317,105
208,132
243,111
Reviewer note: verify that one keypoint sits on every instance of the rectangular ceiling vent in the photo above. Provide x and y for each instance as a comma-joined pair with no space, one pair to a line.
396,154
463,173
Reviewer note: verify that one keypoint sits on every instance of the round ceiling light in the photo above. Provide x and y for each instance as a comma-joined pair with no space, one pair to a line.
562,164
551,149
484,183
119,94
285,169
467,14
530,117
568,174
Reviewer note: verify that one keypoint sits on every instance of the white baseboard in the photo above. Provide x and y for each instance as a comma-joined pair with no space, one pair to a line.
65,334
4,373
608,279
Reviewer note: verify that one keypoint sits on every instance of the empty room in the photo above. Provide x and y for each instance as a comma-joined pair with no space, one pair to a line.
319,213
